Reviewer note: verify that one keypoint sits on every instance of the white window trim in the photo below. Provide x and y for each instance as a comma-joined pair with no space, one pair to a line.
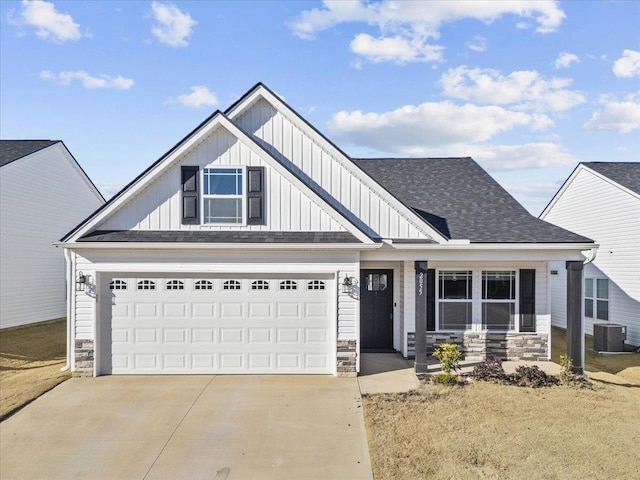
243,196
594,299
449,300
477,300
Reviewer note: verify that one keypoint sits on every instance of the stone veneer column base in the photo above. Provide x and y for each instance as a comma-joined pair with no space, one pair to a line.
490,345
346,358
84,358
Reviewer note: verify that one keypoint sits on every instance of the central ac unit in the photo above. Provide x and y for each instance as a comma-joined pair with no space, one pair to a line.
609,337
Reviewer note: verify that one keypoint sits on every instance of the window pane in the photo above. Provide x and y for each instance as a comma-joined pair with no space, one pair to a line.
499,285
588,307
588,287
455,285
603,309
603,288
222,181
497,316
223,210
455,315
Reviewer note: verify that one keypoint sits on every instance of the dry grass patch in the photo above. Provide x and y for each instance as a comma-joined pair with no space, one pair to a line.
616,364
485,430
30,362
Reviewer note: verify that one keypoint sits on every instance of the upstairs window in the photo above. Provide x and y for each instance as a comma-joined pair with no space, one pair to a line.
222,196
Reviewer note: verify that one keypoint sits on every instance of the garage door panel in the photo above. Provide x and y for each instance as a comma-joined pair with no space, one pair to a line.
194,325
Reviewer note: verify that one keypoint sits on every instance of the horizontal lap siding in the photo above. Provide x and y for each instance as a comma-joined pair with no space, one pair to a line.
339,186
598,209
158,206
44,196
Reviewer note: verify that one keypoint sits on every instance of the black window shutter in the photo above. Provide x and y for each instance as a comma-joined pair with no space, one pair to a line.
255,196
190,196
527,300
431,300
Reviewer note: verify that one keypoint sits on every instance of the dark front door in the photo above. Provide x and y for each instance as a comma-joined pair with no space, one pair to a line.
376,310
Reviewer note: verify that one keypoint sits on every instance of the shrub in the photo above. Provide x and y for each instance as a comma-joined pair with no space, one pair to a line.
489,371
568,377
532,376
445,379
449,356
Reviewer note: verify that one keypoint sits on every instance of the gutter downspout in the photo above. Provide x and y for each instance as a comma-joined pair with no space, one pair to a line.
67,258
591,256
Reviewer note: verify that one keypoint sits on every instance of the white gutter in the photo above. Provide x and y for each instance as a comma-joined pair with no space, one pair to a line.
70,276
493,246
217,246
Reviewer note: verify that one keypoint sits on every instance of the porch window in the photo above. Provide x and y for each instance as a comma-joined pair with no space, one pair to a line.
455,300
498,300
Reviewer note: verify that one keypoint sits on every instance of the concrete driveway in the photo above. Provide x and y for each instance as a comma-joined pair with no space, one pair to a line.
195,427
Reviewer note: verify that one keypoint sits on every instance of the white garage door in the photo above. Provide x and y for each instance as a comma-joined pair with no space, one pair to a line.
198,324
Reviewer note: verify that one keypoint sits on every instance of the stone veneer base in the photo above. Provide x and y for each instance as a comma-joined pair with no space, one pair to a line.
482,346
84,358
346,358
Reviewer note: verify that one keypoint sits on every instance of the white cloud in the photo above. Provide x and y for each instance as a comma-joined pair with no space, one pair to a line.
620,116
88,81
525,89
199,97
628,65
172,27
49,24
565,60
515,157
478,44
405,27
412,130
396,49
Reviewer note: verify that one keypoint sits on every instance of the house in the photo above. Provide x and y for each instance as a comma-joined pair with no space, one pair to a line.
255,245
43,193
602,201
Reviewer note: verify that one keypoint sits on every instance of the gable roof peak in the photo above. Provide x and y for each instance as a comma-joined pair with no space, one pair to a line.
12,150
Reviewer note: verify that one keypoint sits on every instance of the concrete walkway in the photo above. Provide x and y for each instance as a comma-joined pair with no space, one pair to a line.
195,427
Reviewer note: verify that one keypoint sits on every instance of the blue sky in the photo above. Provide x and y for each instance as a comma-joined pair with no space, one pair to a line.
528,89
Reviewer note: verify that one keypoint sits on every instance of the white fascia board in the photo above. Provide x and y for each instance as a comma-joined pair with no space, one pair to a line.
147,177
234,268
497,246
286,173
214,246
278,104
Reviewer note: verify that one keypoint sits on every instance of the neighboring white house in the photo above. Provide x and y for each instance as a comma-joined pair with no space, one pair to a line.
601,200
44,193
255,245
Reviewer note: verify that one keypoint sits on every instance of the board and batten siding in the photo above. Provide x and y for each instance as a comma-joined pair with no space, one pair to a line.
208,263
43,196
157,207
601,210
340,186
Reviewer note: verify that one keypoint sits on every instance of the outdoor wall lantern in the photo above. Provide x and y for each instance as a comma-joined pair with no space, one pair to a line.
347,284
81,281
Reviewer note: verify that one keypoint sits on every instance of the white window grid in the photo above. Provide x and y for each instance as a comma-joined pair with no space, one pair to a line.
175,285
469,300
260,285
203,285
238,170
315,285
288,285
146,285
117,284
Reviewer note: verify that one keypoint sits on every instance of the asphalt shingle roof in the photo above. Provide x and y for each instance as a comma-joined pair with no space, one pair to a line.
11,150
458,198
218,236
626,174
